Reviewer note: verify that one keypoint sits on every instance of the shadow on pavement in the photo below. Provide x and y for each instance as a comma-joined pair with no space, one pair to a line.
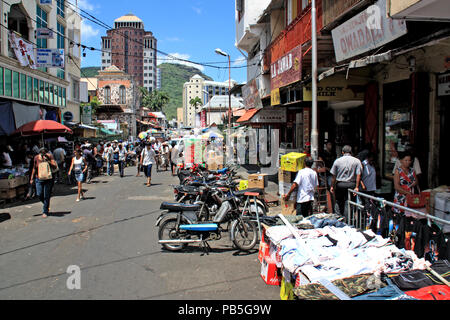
4,216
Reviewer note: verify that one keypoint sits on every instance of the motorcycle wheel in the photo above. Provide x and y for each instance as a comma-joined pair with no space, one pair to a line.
168,231
245,238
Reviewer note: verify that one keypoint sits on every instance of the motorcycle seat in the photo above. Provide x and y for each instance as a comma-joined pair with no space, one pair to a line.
241,193
175,206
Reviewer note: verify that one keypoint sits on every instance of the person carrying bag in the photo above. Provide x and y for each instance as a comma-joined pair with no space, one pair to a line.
43,171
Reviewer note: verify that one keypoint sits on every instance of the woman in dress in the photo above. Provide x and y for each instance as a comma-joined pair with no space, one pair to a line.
79,166
405,180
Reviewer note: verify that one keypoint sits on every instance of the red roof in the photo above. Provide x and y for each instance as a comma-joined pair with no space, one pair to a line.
248,115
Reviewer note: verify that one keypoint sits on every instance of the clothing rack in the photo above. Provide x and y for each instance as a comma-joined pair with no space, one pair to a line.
383,203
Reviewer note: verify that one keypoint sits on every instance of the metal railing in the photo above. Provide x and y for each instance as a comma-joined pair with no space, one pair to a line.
356,217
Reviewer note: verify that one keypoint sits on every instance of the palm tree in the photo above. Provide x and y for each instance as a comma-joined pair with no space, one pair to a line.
195,102
155,100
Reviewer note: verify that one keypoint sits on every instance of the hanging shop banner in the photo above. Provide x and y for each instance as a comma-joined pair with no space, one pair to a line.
24,51
203,118
367,30
50,58
444,85
287,69
336,88
44,33
270,115
250,94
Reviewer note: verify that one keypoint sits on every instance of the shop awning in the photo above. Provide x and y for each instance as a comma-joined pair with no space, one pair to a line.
239,112
248,115
107,132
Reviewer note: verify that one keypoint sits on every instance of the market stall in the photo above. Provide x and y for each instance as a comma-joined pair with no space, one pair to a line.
322,258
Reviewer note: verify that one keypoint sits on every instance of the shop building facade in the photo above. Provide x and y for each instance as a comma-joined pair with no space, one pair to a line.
53,91
381,85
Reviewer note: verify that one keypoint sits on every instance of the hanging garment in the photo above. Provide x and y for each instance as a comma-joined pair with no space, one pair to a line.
436,292
435,245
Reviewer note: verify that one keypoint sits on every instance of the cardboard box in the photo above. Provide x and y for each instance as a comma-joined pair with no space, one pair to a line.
283,189
269,272
293,161
285,176
13,183
263,251
288,208
257,180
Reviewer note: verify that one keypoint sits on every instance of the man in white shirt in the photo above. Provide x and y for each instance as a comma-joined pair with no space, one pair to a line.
305,183
60,157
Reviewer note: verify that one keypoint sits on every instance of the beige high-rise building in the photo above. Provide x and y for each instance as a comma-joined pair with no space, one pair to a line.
205,90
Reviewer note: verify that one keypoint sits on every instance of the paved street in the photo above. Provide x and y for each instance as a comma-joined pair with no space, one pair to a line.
112,238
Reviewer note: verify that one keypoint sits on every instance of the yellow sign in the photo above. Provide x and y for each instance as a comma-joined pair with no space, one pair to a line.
275,97
336,88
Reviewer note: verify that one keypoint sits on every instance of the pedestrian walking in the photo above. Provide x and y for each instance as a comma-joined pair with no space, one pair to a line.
121,158
346,172
60,157
108,156
306,183
79,166
147,161
138,149
42,175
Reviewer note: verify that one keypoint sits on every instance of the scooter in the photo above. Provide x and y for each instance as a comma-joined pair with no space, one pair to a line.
180,226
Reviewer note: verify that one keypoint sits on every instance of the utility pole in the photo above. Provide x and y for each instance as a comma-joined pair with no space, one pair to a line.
314,131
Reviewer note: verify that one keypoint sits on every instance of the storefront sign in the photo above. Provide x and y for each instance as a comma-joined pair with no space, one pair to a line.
68,116
275,97
250,93
86,116
109,124
49,2
287,69
367,30
444,85
203,118
24,51
336,88
270,115
306,127
44,33
50,58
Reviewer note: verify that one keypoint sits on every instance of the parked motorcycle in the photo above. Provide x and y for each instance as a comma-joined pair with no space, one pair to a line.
180,225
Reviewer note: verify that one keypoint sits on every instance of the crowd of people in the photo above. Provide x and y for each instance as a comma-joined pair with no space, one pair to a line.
52,164
352,172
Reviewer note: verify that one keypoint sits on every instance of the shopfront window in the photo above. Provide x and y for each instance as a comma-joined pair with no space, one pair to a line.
397,123
23,86
50,94
15,81
36,90
30,88
46,93
41,90
1,82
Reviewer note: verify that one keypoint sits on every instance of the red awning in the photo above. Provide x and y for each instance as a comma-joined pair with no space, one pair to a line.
248,115
41,126
151,115
239,112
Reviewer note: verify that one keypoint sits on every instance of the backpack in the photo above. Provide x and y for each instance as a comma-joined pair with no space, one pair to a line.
44,171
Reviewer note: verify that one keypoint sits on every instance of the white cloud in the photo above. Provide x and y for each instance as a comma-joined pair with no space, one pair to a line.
173,39
87,31
174,58
241,61
197,10
85,5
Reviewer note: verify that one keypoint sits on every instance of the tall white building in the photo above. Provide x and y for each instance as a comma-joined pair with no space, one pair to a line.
197,86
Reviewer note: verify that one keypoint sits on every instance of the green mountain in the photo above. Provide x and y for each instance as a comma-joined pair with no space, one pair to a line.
89,72
173,76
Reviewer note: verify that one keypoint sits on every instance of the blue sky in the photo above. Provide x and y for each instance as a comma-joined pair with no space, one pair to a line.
190,29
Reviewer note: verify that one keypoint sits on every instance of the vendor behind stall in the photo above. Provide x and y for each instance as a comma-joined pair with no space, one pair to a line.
5,157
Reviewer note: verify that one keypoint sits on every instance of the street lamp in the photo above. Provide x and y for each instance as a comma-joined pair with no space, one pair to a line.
220,52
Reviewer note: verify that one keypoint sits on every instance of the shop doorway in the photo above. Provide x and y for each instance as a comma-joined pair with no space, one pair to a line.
444,150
